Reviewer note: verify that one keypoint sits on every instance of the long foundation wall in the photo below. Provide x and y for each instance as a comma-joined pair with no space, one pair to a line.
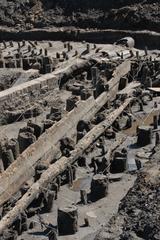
19,92
50,80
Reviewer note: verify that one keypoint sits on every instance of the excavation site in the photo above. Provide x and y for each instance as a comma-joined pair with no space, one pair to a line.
79,120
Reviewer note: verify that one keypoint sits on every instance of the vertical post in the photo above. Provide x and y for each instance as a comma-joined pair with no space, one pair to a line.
94,74
67,220
88,48
155,122
146,51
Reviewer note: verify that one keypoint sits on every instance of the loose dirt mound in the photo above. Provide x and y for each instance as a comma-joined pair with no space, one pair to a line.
124,14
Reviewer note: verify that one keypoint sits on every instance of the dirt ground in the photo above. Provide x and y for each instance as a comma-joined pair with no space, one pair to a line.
139,211
103,213
98,213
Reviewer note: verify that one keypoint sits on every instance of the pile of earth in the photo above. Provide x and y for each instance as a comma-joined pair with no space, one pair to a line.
138,216
121,14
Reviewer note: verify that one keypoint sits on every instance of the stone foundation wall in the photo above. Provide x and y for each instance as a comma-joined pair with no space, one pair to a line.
24,91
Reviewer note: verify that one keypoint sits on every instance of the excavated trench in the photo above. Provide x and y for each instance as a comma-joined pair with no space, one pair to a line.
90,173
142,38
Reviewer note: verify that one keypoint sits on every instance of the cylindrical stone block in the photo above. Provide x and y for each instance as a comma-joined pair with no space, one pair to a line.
70,103
40,51
13,144
38,128
5,45
48,206
17,225
80,135
52,234
74,170
39,169
24,222
25,139
82,161
19,63
24,188
138,164
23,43
50,44
94,73
69,176
2,63
83,196
7,157
155,122
48,123
55,116
11,44
118,165
29,48
10,235
31,225
48,68
86,222
137,55
67,220
68,47
94,46
157,139
1,166
26,129
146,51
85,94
58,55
45,52
144,136
88,48
99,187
